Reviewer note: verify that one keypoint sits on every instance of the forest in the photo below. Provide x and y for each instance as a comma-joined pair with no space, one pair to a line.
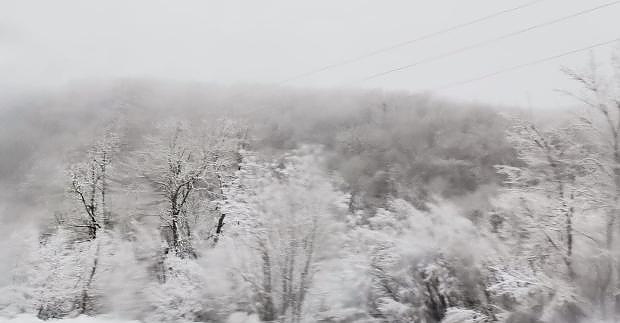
149,201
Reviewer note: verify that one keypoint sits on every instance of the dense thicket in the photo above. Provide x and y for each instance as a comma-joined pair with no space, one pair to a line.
191,203
383,144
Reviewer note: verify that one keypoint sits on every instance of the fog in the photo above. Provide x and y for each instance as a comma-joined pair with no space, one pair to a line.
49,44
247,162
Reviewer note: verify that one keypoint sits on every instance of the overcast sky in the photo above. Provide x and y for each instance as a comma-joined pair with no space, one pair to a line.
49,43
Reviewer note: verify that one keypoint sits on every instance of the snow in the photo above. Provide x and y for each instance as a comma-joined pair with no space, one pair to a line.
27,318
237,317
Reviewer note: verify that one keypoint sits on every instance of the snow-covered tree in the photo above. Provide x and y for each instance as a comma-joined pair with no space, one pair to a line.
44,280
89,185
418,265
545,218
600,93
284,210
187,166
543,194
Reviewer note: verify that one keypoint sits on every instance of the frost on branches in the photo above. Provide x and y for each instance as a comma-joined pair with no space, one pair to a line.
284,209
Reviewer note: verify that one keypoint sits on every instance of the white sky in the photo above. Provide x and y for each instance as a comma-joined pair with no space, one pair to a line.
49,43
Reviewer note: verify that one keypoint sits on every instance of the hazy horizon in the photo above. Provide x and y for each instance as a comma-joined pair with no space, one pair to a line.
50,44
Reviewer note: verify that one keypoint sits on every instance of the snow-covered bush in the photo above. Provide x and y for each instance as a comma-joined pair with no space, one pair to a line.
461,315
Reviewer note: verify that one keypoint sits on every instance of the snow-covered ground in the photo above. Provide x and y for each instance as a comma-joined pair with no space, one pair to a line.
237,317
26,318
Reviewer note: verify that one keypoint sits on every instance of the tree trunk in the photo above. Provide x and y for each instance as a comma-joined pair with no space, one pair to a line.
85,301
175,233
219,228
267,309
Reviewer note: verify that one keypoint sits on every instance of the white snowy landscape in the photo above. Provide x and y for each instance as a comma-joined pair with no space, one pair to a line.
172,162
27,318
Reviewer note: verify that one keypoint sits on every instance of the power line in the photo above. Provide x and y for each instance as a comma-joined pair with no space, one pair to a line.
411,41
490,41
520,66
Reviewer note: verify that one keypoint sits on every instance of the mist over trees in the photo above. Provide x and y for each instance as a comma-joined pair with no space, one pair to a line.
192,203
